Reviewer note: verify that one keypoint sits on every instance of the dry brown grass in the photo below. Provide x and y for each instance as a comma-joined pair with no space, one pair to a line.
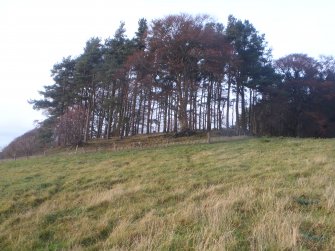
250,194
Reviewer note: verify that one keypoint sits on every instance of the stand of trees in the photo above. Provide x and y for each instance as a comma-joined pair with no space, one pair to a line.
32,142
182,73
302,104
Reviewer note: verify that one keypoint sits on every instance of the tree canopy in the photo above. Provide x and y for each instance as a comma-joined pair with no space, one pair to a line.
184,72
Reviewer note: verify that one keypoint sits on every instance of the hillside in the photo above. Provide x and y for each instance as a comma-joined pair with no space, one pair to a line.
248,194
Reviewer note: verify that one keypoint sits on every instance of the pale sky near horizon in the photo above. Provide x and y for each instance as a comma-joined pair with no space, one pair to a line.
36,34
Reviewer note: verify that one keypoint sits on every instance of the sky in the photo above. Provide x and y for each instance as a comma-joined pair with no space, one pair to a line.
36,34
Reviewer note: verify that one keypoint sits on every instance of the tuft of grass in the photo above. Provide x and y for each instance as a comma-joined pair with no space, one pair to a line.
247,194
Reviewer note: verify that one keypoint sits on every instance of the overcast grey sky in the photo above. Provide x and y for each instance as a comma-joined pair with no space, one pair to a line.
36,34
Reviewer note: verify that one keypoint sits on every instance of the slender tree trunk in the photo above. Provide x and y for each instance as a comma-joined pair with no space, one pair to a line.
169,114
138,113
250,111
237,119
93,101
243,112
208,103
149,113
133,111
143,112
175,118
219,113
109,123
87,123
165,118
228,102
110,114
195,111
182,109
200,110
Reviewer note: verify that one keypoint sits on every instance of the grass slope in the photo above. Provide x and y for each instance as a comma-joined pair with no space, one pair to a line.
251,194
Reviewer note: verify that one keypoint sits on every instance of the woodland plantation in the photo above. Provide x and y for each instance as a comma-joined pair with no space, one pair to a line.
184,73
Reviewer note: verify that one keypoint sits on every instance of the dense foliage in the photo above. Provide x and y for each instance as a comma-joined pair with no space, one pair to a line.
303,103
185,73
179,73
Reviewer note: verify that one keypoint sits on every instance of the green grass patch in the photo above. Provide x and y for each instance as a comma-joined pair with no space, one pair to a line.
248,194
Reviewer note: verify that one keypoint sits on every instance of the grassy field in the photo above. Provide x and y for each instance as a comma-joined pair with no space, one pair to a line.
249,194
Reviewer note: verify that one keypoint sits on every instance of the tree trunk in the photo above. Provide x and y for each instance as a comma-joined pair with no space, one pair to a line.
237,119
87,123
243,112
228,102
182,115
149,113
208,103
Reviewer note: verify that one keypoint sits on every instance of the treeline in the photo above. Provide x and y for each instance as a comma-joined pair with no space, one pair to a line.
302,104
186,73
179,73
33,142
